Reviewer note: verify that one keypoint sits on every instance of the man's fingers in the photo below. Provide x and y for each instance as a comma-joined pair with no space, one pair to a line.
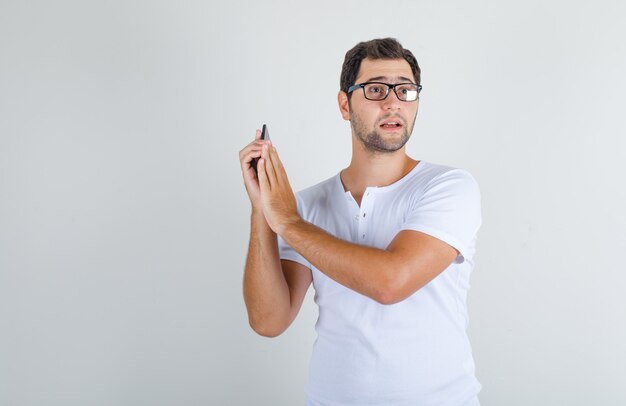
250,152
246,164
256,143
262,174
269,165
277,163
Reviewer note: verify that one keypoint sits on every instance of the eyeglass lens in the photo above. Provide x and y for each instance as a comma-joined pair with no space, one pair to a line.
378,91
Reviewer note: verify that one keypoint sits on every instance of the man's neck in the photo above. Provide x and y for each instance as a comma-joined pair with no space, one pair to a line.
369,168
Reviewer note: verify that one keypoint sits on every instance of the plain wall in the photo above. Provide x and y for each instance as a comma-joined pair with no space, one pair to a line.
124,221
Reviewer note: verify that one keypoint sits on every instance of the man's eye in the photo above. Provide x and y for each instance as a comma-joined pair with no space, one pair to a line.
375,89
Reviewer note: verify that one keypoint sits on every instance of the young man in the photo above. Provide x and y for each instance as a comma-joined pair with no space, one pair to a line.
388,244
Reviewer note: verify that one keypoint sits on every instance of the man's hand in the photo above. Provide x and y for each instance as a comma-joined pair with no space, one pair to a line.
250,179
277,198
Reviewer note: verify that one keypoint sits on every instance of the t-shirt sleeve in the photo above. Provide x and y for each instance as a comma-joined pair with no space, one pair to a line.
288,253
285,251
449,210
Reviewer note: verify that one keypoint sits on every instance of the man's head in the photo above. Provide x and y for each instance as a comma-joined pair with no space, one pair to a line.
379,89
386,48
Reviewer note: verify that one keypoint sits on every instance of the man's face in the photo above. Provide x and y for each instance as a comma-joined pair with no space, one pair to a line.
385,125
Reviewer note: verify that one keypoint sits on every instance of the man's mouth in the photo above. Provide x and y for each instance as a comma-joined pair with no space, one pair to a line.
391,124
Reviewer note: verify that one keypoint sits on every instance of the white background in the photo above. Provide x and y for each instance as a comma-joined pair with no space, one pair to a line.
123,219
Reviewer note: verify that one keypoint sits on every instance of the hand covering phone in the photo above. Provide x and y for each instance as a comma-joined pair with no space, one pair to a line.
265,135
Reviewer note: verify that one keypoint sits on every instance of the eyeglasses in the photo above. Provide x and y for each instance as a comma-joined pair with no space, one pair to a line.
407,92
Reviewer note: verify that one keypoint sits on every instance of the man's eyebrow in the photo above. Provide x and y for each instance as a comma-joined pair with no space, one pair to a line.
400,79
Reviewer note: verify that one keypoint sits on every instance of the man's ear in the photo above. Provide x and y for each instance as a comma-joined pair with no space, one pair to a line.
344,107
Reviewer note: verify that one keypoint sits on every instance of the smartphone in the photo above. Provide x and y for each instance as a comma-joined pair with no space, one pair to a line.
265,135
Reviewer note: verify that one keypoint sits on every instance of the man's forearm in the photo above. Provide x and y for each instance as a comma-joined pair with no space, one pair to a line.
266,292
370,271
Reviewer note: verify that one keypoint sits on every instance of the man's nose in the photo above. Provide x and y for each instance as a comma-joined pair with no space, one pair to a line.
391,102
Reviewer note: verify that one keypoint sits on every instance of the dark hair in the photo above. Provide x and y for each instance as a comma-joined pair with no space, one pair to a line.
385,48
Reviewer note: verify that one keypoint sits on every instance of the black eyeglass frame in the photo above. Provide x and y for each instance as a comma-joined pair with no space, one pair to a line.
389,87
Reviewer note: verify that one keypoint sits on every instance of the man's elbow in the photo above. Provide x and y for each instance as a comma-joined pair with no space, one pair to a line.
394,290
265,329
389,297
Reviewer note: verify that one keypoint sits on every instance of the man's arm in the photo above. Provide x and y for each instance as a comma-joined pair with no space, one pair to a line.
386,275
273,289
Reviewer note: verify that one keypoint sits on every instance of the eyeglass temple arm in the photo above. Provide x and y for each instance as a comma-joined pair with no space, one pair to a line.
354,87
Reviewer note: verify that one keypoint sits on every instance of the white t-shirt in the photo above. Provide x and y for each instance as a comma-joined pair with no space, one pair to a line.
415,352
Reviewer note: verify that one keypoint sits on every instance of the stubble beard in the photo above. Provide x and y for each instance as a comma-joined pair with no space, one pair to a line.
373,141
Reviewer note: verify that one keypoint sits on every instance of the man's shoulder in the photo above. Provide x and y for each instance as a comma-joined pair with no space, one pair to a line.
443,185
432,174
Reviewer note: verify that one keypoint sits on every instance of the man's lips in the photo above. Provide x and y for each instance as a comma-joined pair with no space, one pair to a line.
392,123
